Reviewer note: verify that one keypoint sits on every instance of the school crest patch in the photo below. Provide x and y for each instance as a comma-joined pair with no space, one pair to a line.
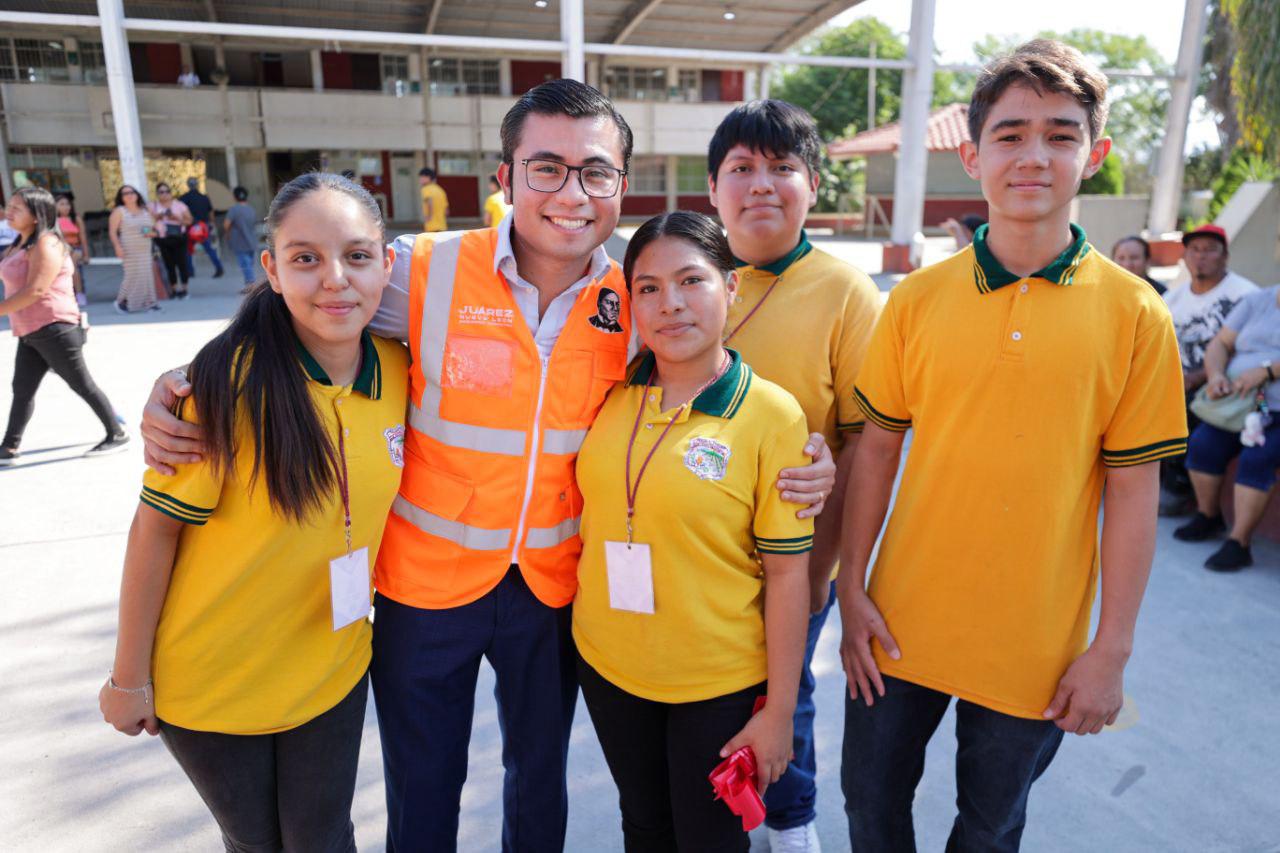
395,444
707,458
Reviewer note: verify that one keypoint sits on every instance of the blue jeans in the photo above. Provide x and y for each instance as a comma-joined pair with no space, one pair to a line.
792,800
998,759
425,665
208,250
246,261
1210,450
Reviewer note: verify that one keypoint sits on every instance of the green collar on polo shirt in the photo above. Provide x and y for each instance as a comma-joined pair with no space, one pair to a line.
368,383
721,399
779,266
989,274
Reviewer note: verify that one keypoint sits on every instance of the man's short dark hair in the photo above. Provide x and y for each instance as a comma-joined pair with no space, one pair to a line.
427,172
240,194
562,98
1043,65
772,127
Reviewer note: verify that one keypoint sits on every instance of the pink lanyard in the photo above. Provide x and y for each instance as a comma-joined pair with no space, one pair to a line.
344,486
752,312
632,491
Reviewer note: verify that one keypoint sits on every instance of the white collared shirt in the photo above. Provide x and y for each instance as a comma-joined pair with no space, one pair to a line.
392,317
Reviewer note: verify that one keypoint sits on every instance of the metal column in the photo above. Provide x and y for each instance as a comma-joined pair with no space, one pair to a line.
124,104
572,61
917,95
1166,192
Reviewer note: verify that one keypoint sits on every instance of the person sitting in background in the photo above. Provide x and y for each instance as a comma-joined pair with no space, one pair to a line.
1134,254
188,79
201,208
495,206
240,227
963,229
1199,310
1243,358
71,224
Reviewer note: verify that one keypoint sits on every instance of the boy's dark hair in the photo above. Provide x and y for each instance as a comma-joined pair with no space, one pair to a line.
562,98
702,231
250,374
772,127
44,210
240,194
1044,65
427,172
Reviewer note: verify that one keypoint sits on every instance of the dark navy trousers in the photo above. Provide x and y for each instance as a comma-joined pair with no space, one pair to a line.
425,666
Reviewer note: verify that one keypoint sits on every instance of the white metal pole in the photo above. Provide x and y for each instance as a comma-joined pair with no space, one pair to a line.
917,94
228,127
572,62
6,176
124,103
871,91
1166,192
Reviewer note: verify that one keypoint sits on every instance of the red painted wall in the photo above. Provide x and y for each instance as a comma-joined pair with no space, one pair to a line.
643,205
464,198
526,74
938,210
699,202
731,85
336,68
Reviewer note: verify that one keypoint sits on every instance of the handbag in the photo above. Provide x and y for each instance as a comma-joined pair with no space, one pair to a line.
1227,412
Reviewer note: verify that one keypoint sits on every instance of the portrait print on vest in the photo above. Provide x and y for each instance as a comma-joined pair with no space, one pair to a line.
494,429
608,309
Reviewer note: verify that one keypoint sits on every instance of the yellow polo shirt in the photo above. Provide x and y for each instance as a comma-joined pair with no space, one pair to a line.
809,334
1021,392
439,205
496,206
245,643
706,506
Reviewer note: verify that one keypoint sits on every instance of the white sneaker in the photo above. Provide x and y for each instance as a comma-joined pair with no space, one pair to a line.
797,839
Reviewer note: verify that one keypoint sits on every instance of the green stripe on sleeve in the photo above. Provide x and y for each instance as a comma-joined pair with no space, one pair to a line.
878,418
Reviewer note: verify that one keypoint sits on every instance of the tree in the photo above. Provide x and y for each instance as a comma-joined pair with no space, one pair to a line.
1138,106
1109,180
1241,167
837,97
1215,77
1255,72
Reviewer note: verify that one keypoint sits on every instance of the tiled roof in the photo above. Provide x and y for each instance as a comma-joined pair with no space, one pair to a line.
948,127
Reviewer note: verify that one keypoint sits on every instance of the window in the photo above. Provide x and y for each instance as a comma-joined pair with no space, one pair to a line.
690,86
41,61
691,175
453,76
456,163
395,75
636,84
648,176
93,64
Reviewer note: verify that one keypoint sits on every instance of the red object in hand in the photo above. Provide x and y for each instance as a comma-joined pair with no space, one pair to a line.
734,781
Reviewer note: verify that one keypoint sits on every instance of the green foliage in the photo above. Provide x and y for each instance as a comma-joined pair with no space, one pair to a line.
1138,106
1109,180
841,178
1241,167
1255,72
1202,168
837,97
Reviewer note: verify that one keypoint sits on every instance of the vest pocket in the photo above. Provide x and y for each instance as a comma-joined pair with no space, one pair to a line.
438,492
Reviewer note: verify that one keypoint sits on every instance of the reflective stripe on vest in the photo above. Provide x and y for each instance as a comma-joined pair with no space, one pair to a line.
473,538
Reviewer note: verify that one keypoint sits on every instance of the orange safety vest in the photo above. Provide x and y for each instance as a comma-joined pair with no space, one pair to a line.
494,429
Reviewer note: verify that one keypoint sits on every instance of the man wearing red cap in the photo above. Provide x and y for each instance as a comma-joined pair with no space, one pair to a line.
1199,310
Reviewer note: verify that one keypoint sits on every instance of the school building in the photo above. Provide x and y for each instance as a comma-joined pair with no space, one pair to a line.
278,96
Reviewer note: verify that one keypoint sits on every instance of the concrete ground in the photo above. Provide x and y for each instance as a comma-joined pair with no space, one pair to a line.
1195,770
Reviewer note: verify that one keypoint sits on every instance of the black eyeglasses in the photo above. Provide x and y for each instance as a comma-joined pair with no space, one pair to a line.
549,176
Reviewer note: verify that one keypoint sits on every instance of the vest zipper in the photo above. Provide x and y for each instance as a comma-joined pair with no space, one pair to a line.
533,461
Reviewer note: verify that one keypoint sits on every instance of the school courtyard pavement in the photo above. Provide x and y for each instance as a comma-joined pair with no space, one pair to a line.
1196,767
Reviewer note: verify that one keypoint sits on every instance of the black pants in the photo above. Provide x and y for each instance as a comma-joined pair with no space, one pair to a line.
58,347
173,254
659,755
289,791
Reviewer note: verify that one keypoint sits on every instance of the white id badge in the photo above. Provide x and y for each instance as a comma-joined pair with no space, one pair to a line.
349,588
630,576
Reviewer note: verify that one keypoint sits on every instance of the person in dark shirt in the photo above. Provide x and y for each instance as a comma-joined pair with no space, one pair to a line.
201,211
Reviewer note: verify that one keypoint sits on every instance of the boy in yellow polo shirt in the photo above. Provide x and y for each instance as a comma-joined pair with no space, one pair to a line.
802,319
1034,371
435,204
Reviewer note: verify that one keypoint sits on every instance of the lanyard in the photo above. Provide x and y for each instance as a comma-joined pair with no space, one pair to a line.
632,491
752,312
344,486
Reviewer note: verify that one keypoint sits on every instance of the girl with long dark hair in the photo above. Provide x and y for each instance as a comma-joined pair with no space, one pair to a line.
693,585
131,228
41,304
74,231
243,638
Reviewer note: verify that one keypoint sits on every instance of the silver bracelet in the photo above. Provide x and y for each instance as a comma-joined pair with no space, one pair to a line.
132,691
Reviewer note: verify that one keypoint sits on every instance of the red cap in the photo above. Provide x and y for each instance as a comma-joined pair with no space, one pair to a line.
1217,232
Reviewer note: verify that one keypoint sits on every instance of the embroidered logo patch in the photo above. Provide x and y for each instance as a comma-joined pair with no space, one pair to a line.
395,444
707,458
